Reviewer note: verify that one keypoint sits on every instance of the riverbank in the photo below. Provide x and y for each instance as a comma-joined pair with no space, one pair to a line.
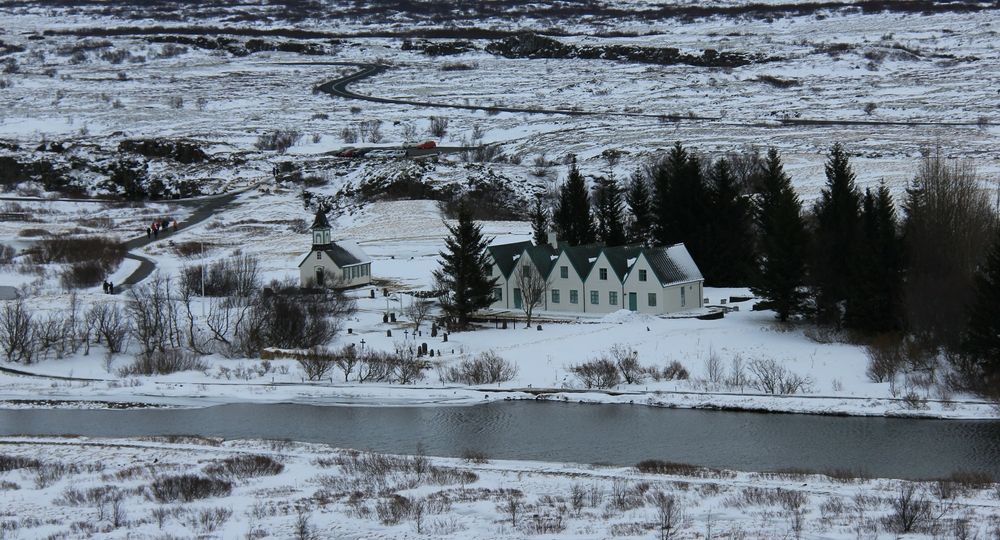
132,488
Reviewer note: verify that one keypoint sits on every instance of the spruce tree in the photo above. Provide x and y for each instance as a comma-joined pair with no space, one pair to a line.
637,197
572,217
465,270
539,217
731,246
874,300
680,203
783,242
838,223
982,338
609,211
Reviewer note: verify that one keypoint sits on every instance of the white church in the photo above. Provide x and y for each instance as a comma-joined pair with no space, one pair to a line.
334,265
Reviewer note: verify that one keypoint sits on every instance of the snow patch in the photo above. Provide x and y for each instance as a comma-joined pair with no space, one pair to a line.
623,316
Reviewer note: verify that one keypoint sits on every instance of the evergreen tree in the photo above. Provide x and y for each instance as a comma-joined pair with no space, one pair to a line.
874,300
571,217
609,211
465,270
637,197
783,242
838,224
680,203
982,338
539,217
731,247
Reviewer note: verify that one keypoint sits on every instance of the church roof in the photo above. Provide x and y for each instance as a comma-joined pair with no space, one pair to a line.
672,264
506,255
343,253
320,221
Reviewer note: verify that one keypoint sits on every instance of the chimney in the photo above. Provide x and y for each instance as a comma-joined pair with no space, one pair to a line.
553,241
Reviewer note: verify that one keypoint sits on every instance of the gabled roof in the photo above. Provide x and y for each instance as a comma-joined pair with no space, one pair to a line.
343,253
504,255
672,264
583,257
619,257
320,221
543,256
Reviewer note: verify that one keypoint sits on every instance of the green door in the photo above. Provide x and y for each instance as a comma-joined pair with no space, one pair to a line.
517,298
632,302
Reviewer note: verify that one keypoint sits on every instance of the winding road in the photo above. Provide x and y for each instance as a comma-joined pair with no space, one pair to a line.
339,88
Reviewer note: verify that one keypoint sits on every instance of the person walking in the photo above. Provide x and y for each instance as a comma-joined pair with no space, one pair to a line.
149,233
105,286
156,233
175,225
111,287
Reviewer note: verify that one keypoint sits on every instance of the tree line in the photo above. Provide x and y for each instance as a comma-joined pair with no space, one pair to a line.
922,269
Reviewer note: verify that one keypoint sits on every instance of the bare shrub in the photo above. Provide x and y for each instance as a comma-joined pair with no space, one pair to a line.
484,153
910,509
102,251
512,506
370,130
669,513
349,134
773,378
175,102
394,509
279,140
674,371
737,374
418,311
885,358
48,473
302,529
7,254
250,466
487,367
187,488
627,360
316,363
10,463
438,126
209,520
162,362
714,371
477,457
598,373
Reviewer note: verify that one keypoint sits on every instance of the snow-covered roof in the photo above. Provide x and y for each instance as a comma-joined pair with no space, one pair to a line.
343,253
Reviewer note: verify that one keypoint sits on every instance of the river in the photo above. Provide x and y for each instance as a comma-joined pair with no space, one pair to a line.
571,432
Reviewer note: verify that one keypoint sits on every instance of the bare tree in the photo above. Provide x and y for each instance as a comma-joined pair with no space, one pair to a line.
151,308
346,360
17,331
533,286
110,322
409,131
669,512
417,311
910,509
512,505
714,371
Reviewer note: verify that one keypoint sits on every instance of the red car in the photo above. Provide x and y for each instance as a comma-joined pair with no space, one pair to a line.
426,145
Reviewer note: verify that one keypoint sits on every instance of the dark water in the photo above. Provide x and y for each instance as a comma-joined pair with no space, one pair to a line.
569,432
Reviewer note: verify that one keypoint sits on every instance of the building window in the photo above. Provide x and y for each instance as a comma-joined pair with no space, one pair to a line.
364,270
595,297
613,298
642,275
347,273
555,296
526,271
683,301
564,272
652,299
319,255
497,294
574,298
604,274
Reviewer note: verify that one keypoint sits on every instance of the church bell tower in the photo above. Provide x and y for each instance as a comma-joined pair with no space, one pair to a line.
320,231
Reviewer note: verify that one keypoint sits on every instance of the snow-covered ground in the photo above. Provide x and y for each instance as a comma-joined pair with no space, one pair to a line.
120,488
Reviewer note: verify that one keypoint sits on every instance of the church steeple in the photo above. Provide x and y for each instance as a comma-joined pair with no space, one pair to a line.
320,231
